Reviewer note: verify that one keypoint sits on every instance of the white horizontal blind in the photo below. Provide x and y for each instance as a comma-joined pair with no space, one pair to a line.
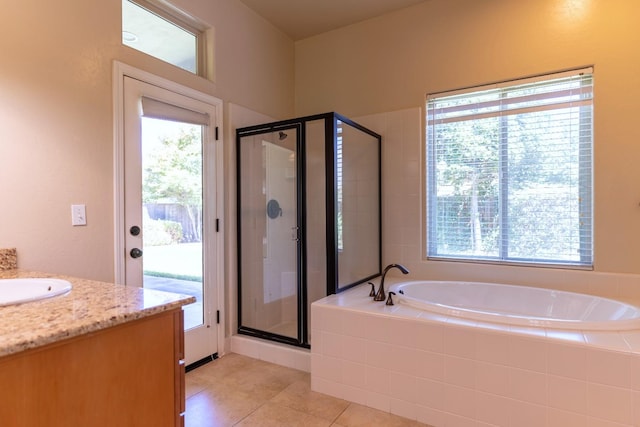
339,184
509,171
155,109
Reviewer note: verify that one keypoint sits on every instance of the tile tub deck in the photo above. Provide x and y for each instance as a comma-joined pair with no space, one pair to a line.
449,371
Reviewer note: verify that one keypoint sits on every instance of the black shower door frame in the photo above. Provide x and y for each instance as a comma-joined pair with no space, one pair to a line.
299,124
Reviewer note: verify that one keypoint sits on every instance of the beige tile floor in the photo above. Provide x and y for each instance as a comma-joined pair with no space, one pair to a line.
239,391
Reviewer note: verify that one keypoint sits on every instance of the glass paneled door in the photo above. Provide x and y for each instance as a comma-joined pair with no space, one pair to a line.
269,243
172,211
308,211
170,204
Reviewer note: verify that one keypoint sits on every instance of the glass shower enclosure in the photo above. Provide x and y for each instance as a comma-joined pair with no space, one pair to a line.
309,219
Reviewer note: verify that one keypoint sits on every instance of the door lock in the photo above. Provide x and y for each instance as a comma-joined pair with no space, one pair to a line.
135,253
135,230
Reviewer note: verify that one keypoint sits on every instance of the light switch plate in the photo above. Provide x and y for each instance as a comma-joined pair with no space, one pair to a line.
78,215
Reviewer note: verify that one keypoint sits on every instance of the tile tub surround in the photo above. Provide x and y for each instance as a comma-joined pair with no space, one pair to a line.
90,306
8,259
446,371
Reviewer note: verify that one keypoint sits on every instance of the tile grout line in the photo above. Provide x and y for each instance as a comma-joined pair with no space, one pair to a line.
261,405
251,413
340,414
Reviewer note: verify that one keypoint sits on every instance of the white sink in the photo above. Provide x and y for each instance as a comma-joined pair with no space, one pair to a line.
16,291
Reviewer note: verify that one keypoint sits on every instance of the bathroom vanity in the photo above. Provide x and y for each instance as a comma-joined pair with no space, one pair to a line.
100,355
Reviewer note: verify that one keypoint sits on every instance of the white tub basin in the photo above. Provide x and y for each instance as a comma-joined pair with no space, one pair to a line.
519,305
16,291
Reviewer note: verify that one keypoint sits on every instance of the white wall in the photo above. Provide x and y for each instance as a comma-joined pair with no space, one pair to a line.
388,65
56,124
56,136
403,224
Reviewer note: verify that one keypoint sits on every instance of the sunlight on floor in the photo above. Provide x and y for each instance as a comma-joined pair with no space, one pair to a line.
239,391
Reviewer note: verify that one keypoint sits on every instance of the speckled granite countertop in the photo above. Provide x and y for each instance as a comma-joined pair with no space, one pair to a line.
8,259
90,306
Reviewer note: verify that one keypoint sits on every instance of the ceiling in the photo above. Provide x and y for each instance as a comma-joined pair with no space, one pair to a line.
300,19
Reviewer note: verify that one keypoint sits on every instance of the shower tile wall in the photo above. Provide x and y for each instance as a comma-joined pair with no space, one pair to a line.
401,189
360,206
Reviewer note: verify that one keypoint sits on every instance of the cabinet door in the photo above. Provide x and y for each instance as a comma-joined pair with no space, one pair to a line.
180,389
122,376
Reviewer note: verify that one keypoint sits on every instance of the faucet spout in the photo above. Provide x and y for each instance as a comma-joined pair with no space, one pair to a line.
380,295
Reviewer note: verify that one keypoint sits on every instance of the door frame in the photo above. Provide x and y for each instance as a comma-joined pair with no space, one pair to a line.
120,71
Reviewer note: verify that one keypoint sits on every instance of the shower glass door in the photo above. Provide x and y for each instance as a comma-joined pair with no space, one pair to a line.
269,241
308,220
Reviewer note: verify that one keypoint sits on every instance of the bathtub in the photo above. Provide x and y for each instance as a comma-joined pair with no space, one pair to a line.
518,305
443,369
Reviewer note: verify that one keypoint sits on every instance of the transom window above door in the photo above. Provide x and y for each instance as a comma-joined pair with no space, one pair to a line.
165,34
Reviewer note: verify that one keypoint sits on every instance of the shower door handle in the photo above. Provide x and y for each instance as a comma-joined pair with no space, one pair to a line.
295,235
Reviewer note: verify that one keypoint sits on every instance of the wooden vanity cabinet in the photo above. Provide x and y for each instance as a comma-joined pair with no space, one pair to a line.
127,375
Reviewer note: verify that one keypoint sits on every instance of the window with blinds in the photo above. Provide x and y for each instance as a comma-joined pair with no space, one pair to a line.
509,171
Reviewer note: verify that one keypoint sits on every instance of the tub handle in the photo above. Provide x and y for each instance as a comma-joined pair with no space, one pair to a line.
373,290
389,299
